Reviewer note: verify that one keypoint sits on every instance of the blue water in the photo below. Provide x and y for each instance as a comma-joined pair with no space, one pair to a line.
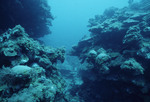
112,65
71,19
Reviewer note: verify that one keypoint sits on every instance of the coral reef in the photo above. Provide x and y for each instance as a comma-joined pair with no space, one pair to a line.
28,69
116,55
33,15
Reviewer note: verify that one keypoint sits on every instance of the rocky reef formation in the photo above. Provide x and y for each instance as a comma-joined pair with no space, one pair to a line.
27,69
117,56
33,15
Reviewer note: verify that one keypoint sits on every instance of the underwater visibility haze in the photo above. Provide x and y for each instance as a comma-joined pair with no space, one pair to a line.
75,51
71,19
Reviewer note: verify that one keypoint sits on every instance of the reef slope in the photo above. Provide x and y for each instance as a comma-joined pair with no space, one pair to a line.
117,56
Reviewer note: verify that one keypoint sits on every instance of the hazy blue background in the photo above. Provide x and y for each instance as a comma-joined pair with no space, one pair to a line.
71,19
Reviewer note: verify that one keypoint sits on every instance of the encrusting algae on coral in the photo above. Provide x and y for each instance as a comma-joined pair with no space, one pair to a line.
27,68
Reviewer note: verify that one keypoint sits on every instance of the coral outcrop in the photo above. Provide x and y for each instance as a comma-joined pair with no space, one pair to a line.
117,55
27,69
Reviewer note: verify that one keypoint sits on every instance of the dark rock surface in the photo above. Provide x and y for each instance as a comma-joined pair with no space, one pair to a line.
33,15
